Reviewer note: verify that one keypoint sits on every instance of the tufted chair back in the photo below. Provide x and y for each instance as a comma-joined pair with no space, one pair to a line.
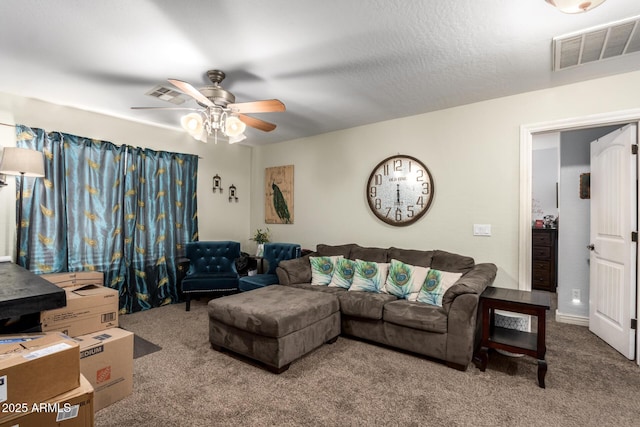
273,254
212,268
276,252
212,257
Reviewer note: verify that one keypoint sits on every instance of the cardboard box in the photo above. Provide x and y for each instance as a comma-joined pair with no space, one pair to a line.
71,409
106,360
36,367
90,308
65,280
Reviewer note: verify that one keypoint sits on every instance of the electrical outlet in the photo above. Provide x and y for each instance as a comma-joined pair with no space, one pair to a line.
575,295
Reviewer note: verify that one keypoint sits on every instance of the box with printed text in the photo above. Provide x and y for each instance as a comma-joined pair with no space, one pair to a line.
90,308
71,409
106,360
36,367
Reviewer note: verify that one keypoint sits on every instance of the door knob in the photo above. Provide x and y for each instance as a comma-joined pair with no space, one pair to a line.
591,247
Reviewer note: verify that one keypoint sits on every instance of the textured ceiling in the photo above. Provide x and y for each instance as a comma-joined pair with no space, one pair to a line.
334,63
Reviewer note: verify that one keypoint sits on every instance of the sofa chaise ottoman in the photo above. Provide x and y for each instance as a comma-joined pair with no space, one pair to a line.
274,325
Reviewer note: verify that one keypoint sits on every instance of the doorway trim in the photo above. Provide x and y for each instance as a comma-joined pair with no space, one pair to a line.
526,147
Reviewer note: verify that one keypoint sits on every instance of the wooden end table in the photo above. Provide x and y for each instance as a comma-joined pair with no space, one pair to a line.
534,303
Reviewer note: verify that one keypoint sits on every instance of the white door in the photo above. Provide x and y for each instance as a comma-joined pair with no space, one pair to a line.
612,293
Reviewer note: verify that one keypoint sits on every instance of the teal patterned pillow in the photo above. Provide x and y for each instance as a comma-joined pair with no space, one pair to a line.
435,285
343,274
404,280
322,268
369,276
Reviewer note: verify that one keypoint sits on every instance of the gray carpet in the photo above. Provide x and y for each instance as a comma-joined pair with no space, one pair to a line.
360,384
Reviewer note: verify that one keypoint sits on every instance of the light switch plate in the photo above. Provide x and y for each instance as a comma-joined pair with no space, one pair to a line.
482,229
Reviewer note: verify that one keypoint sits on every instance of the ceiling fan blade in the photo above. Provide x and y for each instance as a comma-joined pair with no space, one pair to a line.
165,108
191,91
266,106
257,123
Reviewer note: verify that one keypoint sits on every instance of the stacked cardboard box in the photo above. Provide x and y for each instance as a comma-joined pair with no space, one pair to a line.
90,306
91,317
71,409
40,381
106,360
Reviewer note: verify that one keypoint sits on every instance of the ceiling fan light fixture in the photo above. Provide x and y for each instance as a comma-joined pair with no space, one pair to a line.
234,126
575,6
193,124
234,139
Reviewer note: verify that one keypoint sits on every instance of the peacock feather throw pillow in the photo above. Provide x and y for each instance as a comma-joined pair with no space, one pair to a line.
369,276
322,269
404,280
435,285
343,274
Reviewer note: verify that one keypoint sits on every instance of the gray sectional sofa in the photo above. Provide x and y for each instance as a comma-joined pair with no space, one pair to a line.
446,332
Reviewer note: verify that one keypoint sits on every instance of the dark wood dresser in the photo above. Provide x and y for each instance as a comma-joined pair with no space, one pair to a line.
544,259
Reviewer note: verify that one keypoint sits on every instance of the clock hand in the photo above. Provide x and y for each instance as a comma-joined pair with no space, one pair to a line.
398,193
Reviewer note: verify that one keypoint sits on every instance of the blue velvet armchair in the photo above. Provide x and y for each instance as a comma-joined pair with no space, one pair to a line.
212,268
273,254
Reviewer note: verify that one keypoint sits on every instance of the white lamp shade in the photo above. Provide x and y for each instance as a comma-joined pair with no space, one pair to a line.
22,161
234,139
234,126
192,123
575,6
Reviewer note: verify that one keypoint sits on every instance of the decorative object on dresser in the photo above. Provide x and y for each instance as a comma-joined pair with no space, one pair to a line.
544,259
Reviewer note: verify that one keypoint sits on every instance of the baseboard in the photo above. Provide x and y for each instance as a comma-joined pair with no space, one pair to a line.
572,319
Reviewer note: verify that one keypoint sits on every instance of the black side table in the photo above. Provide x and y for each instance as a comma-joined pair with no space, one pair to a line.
532,344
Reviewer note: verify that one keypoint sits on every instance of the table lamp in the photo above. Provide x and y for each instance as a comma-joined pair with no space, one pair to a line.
25,163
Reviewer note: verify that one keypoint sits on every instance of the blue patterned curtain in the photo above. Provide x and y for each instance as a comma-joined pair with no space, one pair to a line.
124,211
43,248
160,212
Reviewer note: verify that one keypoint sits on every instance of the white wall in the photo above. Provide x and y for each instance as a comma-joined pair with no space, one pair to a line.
218,219
545,164
472,152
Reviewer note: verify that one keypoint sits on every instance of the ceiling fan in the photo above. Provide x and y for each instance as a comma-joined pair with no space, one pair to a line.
220,112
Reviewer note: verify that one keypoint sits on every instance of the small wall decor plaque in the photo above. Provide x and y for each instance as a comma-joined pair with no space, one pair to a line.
585,185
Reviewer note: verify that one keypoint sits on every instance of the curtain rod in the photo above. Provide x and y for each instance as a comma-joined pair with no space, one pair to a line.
6,124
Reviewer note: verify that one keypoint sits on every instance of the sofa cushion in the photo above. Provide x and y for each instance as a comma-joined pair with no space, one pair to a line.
404,280
344,273
369,254
415,315
369,276
332,250
363,304
322,268
435,285
446,261
411,256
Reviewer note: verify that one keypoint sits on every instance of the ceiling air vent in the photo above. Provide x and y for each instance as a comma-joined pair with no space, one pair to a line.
166,94
595,44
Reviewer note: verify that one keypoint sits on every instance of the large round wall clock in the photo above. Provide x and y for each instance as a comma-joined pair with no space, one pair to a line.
400,190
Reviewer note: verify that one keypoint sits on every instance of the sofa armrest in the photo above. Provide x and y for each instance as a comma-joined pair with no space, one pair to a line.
294,271
473,282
